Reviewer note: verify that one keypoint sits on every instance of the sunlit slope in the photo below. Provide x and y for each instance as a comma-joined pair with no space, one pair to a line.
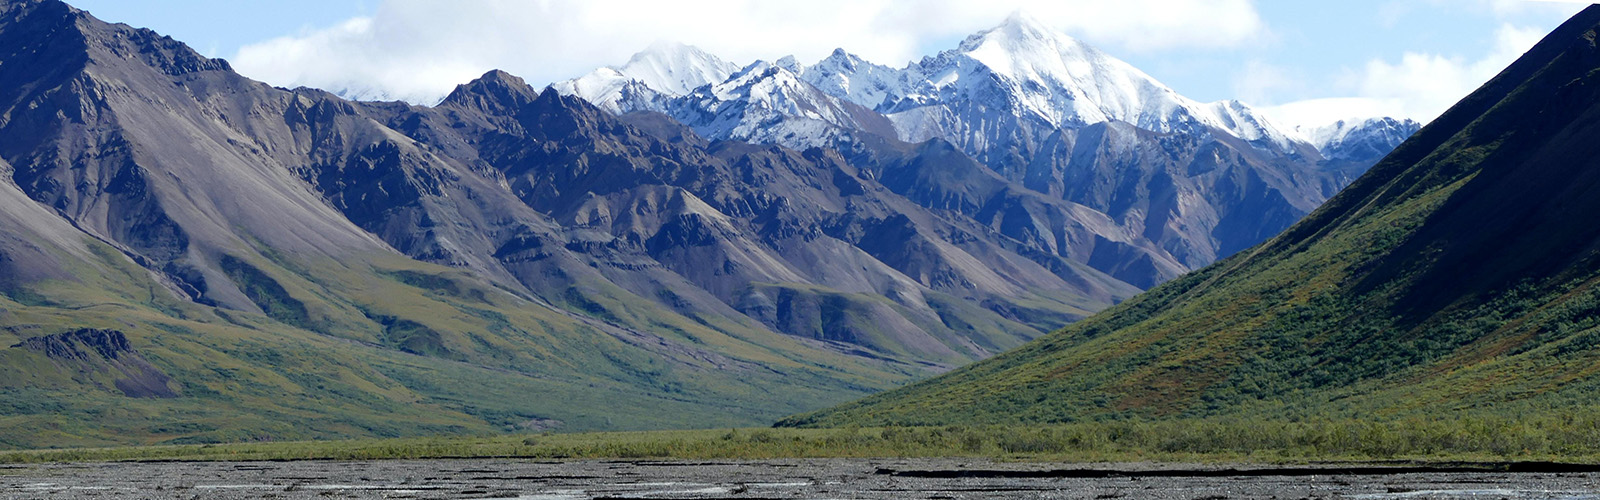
190,255
1458,275
387,348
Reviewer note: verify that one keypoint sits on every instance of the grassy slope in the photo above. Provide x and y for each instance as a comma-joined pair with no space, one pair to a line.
1568,438
1429,287
391,347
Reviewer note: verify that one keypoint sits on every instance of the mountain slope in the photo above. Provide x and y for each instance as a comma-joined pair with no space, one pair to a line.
662,213
1063,118
1057,81
1452,277
770,104
1052,115
1365,139
248,261
854,79
661,71
236,261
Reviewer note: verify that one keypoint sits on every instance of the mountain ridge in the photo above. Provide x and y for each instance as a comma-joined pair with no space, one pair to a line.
509,255
1018,98
1450,279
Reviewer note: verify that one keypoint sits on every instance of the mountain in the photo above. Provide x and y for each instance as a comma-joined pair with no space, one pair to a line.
1360,139
1054,116
1037,78
256,263
1040,108
1455,276
769,103
801,242
661,71
854,79
192,256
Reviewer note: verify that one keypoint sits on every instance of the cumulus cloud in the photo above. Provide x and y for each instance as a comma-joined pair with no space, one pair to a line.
1260,80
1508,7
1419,86
1390,13
418,50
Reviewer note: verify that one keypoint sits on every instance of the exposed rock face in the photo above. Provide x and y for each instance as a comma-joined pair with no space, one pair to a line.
1048,113
1455,277
646,204
93,353
202,176
126,135
1360,140
423,268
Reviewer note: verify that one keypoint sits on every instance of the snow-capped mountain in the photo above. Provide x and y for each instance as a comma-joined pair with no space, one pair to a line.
1018,74
857,80
661,71
1359,138
1036,74
1039,109
769,103
373,93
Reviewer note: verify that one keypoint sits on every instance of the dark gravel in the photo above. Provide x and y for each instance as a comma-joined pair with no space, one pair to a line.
781,479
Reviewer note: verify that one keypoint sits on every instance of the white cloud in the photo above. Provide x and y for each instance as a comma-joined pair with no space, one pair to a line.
1418,86
1260,80
419,49
1510,7
1390,12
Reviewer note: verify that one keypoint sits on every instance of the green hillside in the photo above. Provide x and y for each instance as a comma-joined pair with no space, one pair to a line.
190,256
1458,276
388,347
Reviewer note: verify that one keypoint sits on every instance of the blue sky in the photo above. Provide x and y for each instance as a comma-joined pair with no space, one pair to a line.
1397,57
219,28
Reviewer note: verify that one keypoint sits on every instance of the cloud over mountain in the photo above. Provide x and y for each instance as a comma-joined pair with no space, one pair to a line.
418,50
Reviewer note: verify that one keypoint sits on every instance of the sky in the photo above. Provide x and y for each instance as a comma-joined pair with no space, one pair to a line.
1306,62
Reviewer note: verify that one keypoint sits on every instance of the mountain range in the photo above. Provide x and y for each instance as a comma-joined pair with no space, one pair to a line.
1457,277
1039,109
188,255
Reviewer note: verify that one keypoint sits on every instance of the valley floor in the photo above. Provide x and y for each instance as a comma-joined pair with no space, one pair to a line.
787,479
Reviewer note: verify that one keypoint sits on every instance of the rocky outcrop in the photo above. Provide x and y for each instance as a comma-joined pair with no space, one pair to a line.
90,353
211,181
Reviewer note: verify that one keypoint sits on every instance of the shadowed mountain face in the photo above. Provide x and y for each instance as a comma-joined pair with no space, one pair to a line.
554,196
1458,275
1039,109
89,354
507,256
121,134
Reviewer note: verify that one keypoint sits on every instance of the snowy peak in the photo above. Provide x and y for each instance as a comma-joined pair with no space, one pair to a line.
606,88
661,71
1022,47
1047,75
1359,138
676,68
842,61
768,103
790,63
777,87
1253,126
760,81
1020,22
849,77
1020,74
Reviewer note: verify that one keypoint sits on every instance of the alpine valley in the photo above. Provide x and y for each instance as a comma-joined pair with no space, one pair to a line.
188,255
1457,278
1040,111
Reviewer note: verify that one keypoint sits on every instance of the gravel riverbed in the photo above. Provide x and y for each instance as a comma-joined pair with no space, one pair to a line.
777,479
